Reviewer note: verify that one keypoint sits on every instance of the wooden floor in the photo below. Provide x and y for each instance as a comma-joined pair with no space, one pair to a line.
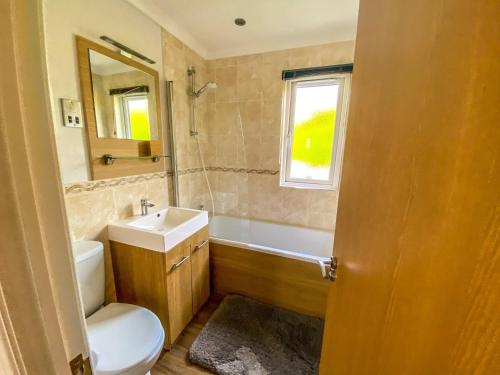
174,361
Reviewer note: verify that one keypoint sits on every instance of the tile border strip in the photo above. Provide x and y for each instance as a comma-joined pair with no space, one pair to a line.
182,172
231,170
112,182
244,170
120,181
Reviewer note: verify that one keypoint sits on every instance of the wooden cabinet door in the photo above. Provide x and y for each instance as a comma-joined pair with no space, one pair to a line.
178,279
200,273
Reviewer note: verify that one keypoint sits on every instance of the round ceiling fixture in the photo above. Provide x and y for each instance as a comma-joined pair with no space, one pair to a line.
240,21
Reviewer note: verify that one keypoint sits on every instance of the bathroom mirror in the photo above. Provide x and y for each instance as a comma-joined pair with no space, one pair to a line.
124,99
121,104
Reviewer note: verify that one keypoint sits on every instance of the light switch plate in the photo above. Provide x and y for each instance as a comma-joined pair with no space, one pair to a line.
72,113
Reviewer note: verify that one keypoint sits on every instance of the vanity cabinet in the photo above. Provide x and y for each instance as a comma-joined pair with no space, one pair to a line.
179,287
174,285
200,274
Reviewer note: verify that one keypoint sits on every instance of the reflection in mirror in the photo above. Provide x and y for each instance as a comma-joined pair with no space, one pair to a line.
124,99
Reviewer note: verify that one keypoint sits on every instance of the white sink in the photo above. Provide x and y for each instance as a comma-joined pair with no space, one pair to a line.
160,230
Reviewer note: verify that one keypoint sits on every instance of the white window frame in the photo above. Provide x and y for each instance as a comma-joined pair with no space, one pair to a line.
287,120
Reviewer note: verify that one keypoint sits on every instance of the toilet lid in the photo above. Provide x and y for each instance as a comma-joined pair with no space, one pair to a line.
123,335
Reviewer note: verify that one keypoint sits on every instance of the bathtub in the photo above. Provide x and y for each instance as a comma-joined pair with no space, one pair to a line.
310,245
273,263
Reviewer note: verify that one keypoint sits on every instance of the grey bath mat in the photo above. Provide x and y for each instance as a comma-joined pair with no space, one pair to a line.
247,337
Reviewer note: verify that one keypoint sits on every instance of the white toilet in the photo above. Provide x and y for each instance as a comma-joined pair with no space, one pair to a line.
124,339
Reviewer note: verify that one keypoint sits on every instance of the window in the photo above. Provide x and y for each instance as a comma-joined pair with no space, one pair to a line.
314,122
132,116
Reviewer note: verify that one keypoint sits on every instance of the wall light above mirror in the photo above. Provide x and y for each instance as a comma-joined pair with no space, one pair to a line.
124,99
122,112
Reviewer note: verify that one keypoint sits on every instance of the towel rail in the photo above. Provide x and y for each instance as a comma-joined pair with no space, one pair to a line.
109,159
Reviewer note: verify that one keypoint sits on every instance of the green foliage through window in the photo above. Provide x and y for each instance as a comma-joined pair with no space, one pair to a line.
138,116
139,125
313,139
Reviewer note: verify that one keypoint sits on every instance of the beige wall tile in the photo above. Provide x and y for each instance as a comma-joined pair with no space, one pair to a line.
249,82
171,40
253,151
224,62
269,152
226,78
322,200
337,53
271,118
90,213
281,57
157,192
127,200
226,121
251,112
295,199
272,84
322,220
299,217
226,153
254,59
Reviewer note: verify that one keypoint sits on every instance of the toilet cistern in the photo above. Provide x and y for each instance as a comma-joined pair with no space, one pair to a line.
145,204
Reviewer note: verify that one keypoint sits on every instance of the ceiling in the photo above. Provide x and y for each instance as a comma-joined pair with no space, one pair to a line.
207,26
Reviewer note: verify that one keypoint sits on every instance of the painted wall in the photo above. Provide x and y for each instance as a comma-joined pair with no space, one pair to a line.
89,18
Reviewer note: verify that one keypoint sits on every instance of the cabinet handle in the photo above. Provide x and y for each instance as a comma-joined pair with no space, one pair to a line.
178,264
198,247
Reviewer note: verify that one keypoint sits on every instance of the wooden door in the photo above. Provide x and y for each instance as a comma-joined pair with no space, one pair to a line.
417,238
180,307
200,269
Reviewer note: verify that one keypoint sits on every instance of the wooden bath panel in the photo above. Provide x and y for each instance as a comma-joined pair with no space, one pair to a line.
288,283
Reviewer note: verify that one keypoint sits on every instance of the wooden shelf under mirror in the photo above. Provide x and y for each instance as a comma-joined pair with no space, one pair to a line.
109,111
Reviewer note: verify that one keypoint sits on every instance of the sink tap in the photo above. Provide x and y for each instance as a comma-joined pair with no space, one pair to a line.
145,204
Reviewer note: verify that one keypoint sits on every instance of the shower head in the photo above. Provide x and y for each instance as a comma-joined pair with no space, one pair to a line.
208,85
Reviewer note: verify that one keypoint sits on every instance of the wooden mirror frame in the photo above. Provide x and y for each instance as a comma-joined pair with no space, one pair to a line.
97,147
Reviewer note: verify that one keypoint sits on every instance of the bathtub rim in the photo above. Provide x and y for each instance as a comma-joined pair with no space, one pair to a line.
267,221
268,250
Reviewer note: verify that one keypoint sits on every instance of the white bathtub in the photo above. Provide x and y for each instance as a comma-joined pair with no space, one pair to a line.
289,241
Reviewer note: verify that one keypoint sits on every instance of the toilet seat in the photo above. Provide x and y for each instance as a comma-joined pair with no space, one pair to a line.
125,339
